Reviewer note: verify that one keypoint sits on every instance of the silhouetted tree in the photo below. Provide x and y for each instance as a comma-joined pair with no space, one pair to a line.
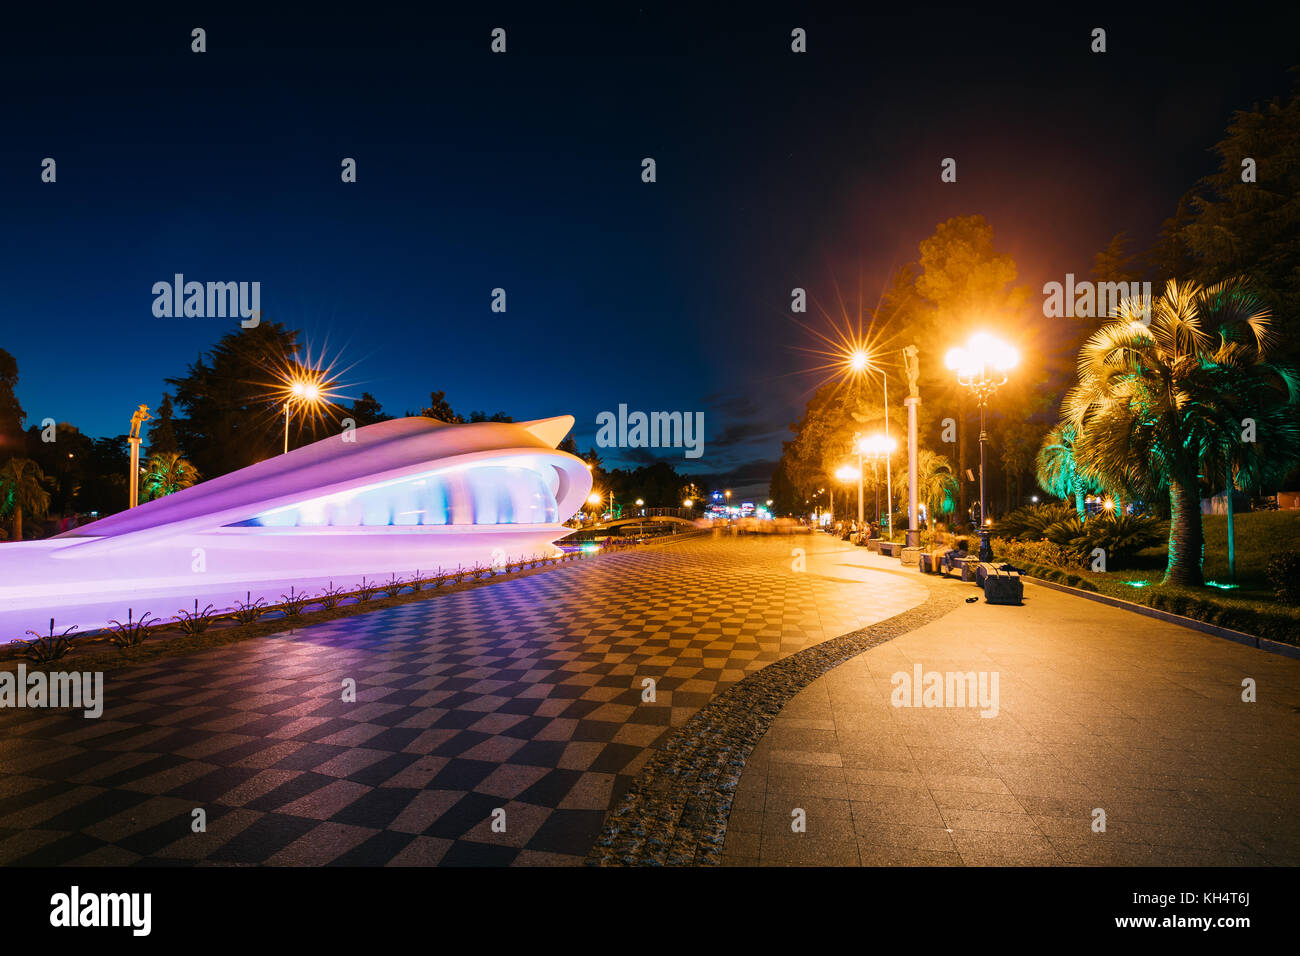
162,429
12,415
232,398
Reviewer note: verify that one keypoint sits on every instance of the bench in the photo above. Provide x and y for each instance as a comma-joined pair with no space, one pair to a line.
932,561
1001,585
890,549
951,561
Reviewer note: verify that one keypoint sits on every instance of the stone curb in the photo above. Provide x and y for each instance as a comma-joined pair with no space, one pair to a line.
1240,637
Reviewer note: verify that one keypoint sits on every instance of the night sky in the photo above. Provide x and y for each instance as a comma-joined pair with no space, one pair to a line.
522,171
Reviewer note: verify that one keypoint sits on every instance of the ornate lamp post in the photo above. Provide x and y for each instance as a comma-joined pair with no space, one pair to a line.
857,447
858,362
982,366
877,447
847,473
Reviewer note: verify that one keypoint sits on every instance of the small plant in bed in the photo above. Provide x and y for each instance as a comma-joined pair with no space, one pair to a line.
331,597
47,648
294,603
194,623
133,632
248,611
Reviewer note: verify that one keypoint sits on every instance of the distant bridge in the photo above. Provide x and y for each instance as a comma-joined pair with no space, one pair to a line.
649,516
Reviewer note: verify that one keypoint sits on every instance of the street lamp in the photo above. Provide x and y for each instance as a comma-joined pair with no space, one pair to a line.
305,391
982,366
847,473
877,447
858,361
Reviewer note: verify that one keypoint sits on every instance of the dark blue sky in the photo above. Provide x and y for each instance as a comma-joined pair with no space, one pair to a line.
523,171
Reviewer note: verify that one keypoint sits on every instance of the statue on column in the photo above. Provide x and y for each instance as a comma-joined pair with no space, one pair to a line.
913,367
139,417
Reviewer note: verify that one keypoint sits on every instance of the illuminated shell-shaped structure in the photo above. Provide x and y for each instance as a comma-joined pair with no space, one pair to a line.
387,499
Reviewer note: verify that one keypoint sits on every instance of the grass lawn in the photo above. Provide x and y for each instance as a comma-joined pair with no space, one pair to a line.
1251,607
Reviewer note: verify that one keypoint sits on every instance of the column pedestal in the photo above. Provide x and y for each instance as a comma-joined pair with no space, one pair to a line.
913,514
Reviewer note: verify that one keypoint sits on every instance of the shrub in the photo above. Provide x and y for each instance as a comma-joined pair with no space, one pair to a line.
394,586
1284,574
367,590
194,624
45,648
1044,553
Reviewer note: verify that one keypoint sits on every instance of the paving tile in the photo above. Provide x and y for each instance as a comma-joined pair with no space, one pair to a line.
525,694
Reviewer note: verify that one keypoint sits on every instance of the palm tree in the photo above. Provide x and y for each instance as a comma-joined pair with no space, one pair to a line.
166,474
936,485
1058,470
1161,403
22,488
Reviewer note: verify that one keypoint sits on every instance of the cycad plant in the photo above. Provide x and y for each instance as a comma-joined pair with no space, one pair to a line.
1158,403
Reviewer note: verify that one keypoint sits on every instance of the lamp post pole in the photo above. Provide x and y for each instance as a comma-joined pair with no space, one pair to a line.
857,444
982,367
875,480
986,549
889,479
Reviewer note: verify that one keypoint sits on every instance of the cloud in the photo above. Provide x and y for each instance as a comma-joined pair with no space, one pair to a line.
742,432
732,406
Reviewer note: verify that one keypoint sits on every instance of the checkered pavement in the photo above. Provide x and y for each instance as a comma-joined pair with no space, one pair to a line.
524,695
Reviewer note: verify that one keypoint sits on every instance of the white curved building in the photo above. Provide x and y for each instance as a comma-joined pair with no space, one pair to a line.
390,498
